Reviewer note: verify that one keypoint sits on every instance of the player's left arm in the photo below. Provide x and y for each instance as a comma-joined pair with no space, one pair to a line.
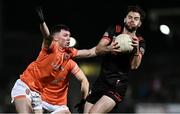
138,52
79,74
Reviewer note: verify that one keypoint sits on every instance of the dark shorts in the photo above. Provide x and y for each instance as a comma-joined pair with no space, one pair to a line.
101,87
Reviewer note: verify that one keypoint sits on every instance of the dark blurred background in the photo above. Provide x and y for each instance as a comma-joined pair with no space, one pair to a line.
154,87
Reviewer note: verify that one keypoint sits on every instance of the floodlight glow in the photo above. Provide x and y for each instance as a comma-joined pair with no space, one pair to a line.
164,29
72,42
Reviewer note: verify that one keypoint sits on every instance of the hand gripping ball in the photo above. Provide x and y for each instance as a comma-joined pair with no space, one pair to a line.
124,41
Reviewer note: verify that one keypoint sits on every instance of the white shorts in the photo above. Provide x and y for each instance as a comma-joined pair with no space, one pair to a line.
21,89
54,108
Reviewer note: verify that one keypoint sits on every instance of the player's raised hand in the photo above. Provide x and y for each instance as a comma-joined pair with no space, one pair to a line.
40,14
135,42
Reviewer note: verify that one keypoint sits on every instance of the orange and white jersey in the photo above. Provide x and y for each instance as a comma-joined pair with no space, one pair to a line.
48,74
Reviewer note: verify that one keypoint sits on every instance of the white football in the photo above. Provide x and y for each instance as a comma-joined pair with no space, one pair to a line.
124,41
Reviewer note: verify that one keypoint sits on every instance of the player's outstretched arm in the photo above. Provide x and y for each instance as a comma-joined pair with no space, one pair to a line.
44,28
86,53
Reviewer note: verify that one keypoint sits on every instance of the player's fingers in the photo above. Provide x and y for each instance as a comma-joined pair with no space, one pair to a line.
134,38
115,43
115,46
134,45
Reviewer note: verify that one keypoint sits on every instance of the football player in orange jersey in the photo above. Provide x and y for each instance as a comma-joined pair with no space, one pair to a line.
83,53
44,83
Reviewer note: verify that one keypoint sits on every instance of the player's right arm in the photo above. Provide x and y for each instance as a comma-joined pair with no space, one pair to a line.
103,46
47,39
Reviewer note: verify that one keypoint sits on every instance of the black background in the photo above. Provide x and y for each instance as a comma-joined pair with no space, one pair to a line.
20,40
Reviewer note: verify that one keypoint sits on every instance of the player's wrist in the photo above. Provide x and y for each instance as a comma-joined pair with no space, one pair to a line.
136,53
83,100
41,21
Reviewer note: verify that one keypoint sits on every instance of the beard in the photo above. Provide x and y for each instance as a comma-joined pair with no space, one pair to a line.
130,29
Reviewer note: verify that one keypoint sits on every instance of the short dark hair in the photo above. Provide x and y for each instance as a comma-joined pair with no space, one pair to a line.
58,28
137,9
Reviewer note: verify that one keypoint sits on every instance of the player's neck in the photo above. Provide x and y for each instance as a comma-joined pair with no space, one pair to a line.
125,31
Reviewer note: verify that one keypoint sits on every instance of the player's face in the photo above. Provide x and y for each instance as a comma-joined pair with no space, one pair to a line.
132,21
63,38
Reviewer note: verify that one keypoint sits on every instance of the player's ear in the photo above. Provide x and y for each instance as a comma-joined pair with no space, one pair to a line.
139,23
124,20
54,37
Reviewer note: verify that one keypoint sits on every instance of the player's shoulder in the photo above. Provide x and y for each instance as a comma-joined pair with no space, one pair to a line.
115,26
113,30
70,49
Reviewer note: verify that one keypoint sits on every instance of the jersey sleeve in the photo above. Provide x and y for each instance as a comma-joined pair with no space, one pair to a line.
112,31
72,52
74,67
